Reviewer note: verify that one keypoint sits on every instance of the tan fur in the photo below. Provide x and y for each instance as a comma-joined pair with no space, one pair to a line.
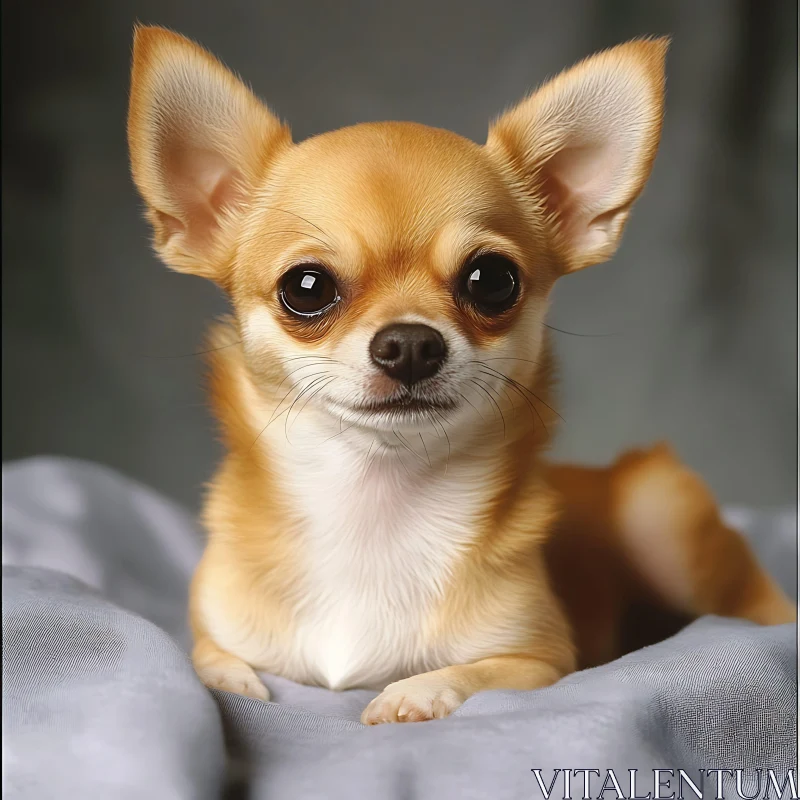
534,570
640,550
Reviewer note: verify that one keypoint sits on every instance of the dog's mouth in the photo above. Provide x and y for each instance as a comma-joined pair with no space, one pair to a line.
405,406
400,408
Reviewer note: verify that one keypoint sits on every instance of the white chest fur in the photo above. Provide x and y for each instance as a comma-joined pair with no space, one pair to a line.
380,537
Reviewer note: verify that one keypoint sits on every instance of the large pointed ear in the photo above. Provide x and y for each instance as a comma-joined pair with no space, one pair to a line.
199,143
583,145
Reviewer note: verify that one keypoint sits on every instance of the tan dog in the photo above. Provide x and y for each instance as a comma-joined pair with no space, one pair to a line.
384,518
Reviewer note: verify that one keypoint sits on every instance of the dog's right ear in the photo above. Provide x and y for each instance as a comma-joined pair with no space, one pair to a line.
200,141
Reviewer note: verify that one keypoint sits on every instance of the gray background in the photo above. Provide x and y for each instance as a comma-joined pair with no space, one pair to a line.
700,302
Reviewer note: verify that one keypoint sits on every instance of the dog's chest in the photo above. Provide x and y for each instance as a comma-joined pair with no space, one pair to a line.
379,548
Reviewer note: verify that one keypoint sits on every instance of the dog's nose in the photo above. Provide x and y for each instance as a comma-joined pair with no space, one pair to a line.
408,353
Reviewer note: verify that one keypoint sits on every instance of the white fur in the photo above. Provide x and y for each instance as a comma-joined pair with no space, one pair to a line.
381,533
383,517
380,546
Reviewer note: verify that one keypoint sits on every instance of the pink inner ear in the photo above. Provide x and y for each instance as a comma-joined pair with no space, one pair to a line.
202,184
577,183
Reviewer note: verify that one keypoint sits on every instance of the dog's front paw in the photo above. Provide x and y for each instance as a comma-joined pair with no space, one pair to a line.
239,679
413,700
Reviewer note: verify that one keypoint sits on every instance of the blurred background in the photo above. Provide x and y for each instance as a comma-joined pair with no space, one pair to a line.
689,334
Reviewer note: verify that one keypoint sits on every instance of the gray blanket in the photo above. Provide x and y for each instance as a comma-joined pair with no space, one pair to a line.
100,701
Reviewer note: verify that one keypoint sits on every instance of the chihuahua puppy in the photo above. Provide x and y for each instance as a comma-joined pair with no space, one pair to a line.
384,517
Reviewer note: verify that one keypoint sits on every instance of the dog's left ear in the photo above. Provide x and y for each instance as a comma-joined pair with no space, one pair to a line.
583,145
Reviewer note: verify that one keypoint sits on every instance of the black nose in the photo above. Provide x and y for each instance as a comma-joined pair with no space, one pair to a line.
408,353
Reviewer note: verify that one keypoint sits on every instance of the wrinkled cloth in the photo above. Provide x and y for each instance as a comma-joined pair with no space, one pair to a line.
100,700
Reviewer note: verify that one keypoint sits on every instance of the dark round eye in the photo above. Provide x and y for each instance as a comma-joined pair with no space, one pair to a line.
307,291
491,283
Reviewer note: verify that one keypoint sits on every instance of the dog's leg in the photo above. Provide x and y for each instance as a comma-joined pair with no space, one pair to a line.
661,522
220,670
216,667
671,529
433,695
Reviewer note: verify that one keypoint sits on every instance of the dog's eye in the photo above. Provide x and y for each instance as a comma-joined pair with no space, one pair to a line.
307,291
491,283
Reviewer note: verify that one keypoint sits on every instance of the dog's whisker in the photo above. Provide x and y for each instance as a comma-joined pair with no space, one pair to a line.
582,335
521,386
300,233
505,392
196,353
483,383
304,377
385,450
403,463
292,213
407,446
341,430
493,375
509,358
306,389
277,413
426,449
367,462
531,407
271,420
447,438
471,404
320,388
318,357
288,394
480,388
273,416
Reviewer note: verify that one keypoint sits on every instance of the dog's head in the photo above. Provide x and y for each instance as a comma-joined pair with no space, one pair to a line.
392,270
